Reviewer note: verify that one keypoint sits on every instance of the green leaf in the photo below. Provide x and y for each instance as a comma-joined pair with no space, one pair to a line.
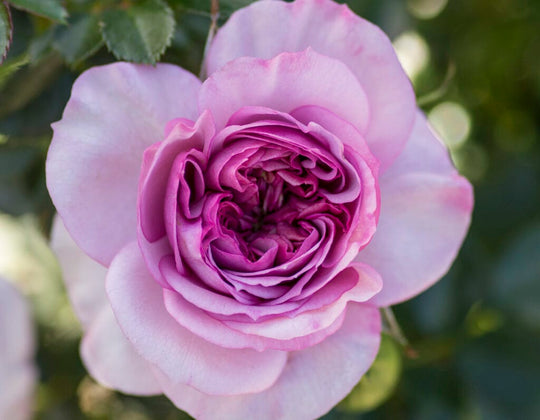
138,33
51,9
40,46
6,30
79,40
28,84
10,67
378,384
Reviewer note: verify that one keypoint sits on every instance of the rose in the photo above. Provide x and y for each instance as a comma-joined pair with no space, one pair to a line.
17,372
249,246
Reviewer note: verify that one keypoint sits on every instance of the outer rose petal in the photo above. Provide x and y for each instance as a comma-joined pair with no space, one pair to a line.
424,153
335,31
309,325
115,112
17,373
84,278
183,357
16,399
313,381
107,354
284,83
16,336
425,213
112,360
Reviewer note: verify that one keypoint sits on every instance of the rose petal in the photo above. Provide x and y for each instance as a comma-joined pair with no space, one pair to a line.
316,317
313,381
106,353
17,399
93,165
183,357
156,167
206,299
311,323
335,31
84,277
424,152
16,335
215,331
284,83
111,359
17,373
425,213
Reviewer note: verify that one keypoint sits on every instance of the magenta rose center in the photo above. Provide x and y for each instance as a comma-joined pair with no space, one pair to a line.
273,207
265,210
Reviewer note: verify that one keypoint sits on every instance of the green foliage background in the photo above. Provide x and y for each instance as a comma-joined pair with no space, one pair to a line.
474,337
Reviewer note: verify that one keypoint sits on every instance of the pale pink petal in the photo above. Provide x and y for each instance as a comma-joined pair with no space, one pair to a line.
107,354
215,331
332,30
17,370
16,329
316,319
314,316
185,358
84,277
111,359
286,82
313,381
17,396
115,112
425,213
424,152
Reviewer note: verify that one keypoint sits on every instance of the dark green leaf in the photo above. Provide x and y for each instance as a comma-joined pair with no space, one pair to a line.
28,84
379,382
6,30
41,45
10,67
139,33
51,9
80,39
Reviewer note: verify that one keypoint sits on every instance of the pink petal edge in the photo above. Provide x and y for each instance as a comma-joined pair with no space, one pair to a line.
137,301
425,214
114,113
313,381
333,30
112,361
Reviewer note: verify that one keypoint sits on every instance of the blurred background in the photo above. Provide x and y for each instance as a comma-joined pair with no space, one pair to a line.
474,338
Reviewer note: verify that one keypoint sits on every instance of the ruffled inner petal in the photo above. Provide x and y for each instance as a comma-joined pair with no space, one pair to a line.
260,218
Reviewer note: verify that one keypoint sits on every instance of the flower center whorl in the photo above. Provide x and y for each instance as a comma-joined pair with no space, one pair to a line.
266,210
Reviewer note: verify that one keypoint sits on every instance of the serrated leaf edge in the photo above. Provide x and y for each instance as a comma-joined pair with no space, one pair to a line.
167,44
74,63
62,20
154,58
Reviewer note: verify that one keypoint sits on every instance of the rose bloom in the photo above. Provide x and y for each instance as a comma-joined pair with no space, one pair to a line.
17,370
244,231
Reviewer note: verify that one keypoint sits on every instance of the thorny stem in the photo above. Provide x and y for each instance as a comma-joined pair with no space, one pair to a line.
395,331
214,16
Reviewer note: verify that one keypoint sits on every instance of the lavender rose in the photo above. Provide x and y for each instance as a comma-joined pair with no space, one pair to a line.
17,370
250,226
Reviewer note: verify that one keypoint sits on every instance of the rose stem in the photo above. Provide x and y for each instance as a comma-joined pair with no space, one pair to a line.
214,15
395,331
